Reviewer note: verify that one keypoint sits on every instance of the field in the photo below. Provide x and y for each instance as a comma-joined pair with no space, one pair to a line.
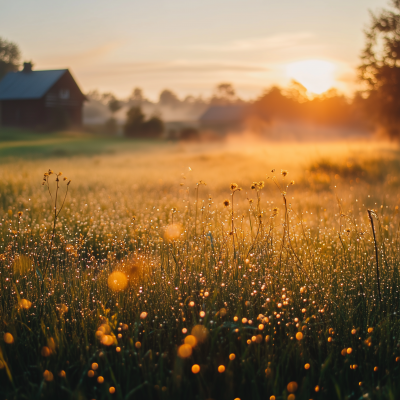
152,276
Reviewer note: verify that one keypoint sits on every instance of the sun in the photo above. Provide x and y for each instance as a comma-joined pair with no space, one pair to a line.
317,76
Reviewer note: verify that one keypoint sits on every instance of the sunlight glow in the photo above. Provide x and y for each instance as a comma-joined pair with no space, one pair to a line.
317,76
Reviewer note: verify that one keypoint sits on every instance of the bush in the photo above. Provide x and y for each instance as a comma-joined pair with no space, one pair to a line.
137,126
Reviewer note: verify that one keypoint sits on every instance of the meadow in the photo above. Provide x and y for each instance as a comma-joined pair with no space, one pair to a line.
160,270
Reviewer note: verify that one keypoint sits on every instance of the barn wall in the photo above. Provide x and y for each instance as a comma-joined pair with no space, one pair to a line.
64,100
23,113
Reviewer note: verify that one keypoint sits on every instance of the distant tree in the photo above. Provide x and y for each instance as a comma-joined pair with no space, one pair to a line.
10,56
168,98
153,128
137,96
137,126
224,93
114,104
94,95
380,69
134,122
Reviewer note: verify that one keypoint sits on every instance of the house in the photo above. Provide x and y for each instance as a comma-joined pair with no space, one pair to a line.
225,118
40,99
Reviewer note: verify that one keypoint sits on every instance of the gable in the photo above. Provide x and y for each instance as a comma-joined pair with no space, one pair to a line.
33,85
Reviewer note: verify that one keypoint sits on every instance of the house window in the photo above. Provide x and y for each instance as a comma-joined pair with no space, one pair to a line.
64,94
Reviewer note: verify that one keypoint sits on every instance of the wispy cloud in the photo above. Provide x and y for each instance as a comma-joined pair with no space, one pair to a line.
177,66
261,43
81,58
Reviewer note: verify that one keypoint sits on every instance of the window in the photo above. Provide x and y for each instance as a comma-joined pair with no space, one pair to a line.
64,94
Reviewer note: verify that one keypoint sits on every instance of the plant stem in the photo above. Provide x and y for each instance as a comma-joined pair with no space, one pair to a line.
376,254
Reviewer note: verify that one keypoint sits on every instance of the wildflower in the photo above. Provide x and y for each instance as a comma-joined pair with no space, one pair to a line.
292,387
253,186
284,172
196,368
273,170
226,203
292,182
234,186
261,184
221,369
65,178
48,376
185,350
8,338
20,214
190,340
251,201
117,281
200,332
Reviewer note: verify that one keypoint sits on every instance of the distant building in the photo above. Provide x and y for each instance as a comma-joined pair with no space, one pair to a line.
225,118
40,99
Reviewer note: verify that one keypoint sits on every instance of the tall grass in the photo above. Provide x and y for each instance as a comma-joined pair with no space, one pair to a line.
273,294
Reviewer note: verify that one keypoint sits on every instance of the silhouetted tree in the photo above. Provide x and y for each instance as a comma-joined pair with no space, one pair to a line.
224,93
137,126
9,57
137,96
153,128
134,122
380,69
168,98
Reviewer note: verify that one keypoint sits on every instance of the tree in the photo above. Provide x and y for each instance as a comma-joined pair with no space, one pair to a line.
137,96
9,57
224,93
114,105
380,69
134,122
153,128
168,98
137,126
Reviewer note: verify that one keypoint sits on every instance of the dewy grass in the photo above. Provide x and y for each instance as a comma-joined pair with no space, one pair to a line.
154,290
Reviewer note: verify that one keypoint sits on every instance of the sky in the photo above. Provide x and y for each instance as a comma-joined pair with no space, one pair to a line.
190,46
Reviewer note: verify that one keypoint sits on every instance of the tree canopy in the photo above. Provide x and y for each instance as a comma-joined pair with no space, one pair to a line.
10,57
380,69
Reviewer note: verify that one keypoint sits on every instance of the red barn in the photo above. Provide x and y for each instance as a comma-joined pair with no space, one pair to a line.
40,99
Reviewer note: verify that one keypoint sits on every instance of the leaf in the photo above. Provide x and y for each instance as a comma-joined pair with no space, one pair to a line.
39,274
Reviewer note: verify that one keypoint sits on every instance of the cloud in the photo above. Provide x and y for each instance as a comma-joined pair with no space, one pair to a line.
262,43
177,66
81,58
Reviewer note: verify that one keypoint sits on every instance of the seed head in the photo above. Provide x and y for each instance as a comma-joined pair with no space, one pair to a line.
284,172
226,203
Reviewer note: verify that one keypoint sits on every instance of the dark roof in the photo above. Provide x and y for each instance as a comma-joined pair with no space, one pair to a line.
28,85
224,113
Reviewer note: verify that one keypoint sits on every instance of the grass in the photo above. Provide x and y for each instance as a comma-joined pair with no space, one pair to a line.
144,259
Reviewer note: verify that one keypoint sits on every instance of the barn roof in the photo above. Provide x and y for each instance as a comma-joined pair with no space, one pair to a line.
224,113
28,85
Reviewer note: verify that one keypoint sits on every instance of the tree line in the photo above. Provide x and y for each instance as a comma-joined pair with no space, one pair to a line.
376,105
